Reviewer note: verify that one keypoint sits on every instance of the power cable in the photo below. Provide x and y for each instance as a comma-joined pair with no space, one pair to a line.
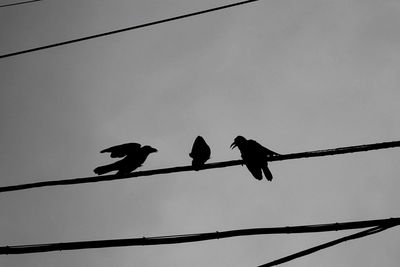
126,29
19,3
222,164
303,253
186,238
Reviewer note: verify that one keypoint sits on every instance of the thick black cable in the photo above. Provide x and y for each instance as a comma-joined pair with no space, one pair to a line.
222,164
126,29
185,238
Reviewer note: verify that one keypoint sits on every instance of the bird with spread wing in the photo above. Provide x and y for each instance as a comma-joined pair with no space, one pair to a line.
133,154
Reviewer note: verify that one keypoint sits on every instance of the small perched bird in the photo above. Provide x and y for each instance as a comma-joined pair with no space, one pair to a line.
255,157
200,152
134,156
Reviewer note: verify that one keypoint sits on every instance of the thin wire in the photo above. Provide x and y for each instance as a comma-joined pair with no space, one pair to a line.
127,29
303,253
19,3
222,164
185,238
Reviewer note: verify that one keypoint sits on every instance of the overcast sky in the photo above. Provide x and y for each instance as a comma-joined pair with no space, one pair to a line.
293,75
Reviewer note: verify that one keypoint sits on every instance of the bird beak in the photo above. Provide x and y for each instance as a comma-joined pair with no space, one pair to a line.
233,145
154,150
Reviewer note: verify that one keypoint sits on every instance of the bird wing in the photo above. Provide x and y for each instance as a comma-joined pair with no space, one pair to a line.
123,150
269,152
255,170
259,150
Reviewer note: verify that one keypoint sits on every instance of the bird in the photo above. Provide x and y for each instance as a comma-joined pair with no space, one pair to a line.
200,152
255,157
133,154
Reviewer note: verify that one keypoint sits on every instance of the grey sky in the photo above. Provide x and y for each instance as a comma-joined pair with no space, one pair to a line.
293,75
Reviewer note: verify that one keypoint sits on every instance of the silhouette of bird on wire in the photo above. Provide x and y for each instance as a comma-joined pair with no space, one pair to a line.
134,156
255,157
200,152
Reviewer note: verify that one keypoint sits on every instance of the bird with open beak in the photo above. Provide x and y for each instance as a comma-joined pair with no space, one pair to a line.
254,156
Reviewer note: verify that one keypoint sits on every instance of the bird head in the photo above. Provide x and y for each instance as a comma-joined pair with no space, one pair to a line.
148,149
238,141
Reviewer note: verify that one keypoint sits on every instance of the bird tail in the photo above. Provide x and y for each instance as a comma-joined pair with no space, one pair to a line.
267,173
104,169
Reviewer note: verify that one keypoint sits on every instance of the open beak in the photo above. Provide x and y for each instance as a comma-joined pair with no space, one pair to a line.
233,145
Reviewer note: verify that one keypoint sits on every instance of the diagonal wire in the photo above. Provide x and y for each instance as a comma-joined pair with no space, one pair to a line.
19,3
303,253
196,237
222,164
126,29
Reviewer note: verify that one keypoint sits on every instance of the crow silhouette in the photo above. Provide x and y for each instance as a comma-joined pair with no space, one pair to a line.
200,152
134,156
255,157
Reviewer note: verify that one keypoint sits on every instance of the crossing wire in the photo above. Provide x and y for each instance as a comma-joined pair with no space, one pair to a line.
303,253
222,164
